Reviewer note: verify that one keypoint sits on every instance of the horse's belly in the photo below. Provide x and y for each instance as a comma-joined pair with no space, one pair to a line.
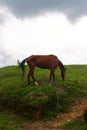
43,66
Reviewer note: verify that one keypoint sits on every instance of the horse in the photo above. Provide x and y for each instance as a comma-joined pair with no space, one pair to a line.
50,62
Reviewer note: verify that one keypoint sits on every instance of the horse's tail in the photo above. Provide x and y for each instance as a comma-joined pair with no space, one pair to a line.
22,65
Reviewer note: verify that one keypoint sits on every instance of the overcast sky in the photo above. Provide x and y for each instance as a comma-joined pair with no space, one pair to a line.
43,27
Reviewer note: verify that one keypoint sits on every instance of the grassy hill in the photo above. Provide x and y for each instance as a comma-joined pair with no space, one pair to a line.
46,99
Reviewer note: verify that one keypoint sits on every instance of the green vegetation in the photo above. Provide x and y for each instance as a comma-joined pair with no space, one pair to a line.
42,101
10,122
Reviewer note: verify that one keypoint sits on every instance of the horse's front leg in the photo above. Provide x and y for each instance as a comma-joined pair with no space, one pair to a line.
52,75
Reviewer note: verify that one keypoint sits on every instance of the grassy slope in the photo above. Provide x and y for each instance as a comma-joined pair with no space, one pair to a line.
10,78
75,84
11,84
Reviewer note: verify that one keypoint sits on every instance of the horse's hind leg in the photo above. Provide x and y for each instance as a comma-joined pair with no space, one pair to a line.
32,74
29,78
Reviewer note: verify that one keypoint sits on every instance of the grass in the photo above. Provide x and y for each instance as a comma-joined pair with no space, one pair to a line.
75,84
10,122
54,98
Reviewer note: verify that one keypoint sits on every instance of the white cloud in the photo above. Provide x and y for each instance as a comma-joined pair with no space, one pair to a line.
51,33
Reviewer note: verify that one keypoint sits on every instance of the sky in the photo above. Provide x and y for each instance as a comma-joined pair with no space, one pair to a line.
43,27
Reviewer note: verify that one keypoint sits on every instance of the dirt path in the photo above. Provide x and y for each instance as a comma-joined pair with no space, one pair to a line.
54,124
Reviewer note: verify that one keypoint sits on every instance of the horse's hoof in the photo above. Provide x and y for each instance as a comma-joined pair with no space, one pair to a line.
36,83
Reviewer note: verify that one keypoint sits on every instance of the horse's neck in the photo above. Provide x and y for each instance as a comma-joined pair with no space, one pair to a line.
61,66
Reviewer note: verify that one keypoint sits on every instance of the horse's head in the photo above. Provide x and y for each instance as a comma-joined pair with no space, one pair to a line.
63,74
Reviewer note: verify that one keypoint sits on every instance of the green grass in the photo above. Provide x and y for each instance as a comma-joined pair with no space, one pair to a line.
75,84
10,122
16,95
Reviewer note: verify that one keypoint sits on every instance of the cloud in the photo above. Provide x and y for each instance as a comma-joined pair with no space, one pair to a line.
4,57
3,15
29,8
22,34
49,34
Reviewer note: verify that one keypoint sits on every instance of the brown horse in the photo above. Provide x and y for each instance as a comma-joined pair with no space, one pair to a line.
43,61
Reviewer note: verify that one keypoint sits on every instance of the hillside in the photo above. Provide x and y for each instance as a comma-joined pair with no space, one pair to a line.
43,101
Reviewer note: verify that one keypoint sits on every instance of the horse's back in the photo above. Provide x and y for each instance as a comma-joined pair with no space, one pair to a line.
36,57
43,61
